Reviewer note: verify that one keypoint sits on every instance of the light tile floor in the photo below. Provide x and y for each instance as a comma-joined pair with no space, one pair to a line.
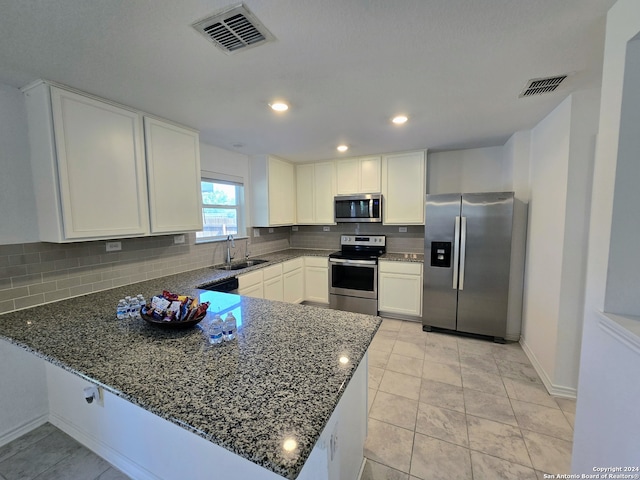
444,406
47,453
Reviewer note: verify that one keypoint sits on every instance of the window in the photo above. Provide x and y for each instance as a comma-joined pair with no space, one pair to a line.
222,209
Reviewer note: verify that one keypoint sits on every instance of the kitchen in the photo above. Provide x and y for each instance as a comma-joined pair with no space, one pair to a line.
505,167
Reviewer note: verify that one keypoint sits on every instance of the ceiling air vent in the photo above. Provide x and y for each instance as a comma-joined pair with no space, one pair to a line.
234,29
538,86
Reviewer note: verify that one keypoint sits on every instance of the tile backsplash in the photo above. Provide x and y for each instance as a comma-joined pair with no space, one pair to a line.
36,273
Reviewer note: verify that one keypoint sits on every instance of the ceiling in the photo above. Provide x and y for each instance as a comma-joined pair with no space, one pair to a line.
455,67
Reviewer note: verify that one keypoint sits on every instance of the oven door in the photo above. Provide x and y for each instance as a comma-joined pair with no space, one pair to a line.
353,278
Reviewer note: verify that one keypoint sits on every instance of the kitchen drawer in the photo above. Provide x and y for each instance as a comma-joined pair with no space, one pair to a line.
322,262
408,268
272,272
291,265
249,279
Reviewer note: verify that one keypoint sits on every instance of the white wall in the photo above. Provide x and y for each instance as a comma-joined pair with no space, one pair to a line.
543,271
584,125
624,261
23,395
18,215
517,151
470,171
561,158
607,428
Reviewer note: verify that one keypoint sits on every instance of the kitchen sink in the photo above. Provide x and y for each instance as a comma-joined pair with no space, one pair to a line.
241,265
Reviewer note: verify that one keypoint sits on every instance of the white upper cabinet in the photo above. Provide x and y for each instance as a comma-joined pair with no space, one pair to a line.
315,189
404,188
273,190
88,166
358,175
90,174
173,170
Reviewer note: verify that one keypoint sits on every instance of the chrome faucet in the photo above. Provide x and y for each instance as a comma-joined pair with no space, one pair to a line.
230,243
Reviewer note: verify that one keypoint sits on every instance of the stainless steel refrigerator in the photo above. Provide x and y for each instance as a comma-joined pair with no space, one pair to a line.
467,247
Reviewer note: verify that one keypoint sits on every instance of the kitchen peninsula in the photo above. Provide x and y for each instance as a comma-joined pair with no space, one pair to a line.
287,399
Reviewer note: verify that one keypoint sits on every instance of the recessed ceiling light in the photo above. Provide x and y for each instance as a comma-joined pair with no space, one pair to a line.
399,119
279,106
342,148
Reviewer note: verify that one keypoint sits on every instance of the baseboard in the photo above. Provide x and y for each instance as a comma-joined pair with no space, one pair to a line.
115,458
17,432
364,462
400,316
555,390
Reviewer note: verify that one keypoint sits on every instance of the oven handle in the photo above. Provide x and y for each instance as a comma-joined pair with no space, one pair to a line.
352,262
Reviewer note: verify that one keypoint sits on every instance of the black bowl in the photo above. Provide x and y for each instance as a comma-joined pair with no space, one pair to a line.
177,324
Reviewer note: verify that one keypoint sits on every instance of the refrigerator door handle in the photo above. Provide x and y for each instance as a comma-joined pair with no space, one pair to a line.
463,250
456,252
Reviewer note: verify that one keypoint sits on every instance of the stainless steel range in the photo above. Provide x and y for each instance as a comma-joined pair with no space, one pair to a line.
353,273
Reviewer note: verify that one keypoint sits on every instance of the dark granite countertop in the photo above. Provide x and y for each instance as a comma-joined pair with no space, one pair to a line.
280,379
403,257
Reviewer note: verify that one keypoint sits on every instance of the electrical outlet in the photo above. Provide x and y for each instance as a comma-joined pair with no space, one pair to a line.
402,229
326,229
271,230
178,239
294,228
114,246
256,232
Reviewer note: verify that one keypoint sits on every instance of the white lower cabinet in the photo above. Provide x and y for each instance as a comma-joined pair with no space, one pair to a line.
316,279
293,280
273,282
250,284
400,289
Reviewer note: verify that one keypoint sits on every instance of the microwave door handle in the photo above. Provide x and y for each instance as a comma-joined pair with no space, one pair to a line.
370,208
456,252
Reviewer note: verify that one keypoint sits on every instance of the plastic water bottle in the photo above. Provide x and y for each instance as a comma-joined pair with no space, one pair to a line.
215,330
121,310
141,300
134,308
230,327
127,302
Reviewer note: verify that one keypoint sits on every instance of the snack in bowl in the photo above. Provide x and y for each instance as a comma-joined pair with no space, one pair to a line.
171,309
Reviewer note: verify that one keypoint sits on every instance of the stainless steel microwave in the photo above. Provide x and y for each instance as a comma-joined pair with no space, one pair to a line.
358,208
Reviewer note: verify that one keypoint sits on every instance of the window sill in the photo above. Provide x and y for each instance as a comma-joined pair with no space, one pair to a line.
216,240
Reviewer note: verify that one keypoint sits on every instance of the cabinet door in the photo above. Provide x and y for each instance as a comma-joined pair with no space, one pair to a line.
282,202
316,282
101,169
400,294
347,176
173,169
304,193
293,286
255,291
250,279
404,187
370,175
273,289
324,190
